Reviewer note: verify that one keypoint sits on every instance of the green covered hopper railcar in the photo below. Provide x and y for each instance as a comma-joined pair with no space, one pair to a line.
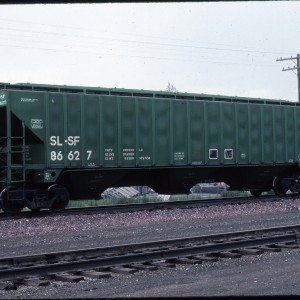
64,142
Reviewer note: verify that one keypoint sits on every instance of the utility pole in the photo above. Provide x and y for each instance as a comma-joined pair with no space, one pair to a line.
297,67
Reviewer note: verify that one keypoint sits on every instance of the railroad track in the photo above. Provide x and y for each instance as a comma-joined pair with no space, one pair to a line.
149,206
76,265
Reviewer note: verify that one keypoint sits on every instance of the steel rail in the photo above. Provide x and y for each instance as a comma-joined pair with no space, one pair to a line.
91,258
148,206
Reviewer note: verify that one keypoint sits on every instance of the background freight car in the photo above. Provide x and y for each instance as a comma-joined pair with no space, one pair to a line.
60,142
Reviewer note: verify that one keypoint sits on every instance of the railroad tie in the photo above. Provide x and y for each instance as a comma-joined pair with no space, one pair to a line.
287,245
123,270
226,254
8,286
250,251
187,261
163,263
68,277
204,258
35,282
95,274
270,248
144,267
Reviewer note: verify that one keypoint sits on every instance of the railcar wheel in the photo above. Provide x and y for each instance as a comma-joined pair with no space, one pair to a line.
255,193
60,197
8,206
278,186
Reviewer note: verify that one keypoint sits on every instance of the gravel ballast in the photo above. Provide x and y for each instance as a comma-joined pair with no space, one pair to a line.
53,233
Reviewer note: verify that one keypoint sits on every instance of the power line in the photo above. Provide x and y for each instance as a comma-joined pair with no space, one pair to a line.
97,37
100,54
61,26
142,45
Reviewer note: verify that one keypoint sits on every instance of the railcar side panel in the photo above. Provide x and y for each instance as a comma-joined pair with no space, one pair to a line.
297,133
127,132
256,134
279,134
213,132
180,132
56,127
197,130
163,136
268,137
145,131
91,138
243,133
110,131
290,134
228,134
28,107
72,138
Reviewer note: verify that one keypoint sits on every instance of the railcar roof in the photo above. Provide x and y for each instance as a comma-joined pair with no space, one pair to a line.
139,93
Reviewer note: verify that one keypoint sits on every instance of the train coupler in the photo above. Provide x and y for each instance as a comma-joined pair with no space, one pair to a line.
294,185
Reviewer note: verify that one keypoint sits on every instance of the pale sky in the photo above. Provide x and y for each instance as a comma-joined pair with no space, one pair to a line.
226,48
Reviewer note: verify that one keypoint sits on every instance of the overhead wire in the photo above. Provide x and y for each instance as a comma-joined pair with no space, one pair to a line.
243,49
101,54
107,43
68,49
138,41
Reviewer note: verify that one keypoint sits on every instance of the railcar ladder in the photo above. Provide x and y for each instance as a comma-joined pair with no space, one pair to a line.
12,159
